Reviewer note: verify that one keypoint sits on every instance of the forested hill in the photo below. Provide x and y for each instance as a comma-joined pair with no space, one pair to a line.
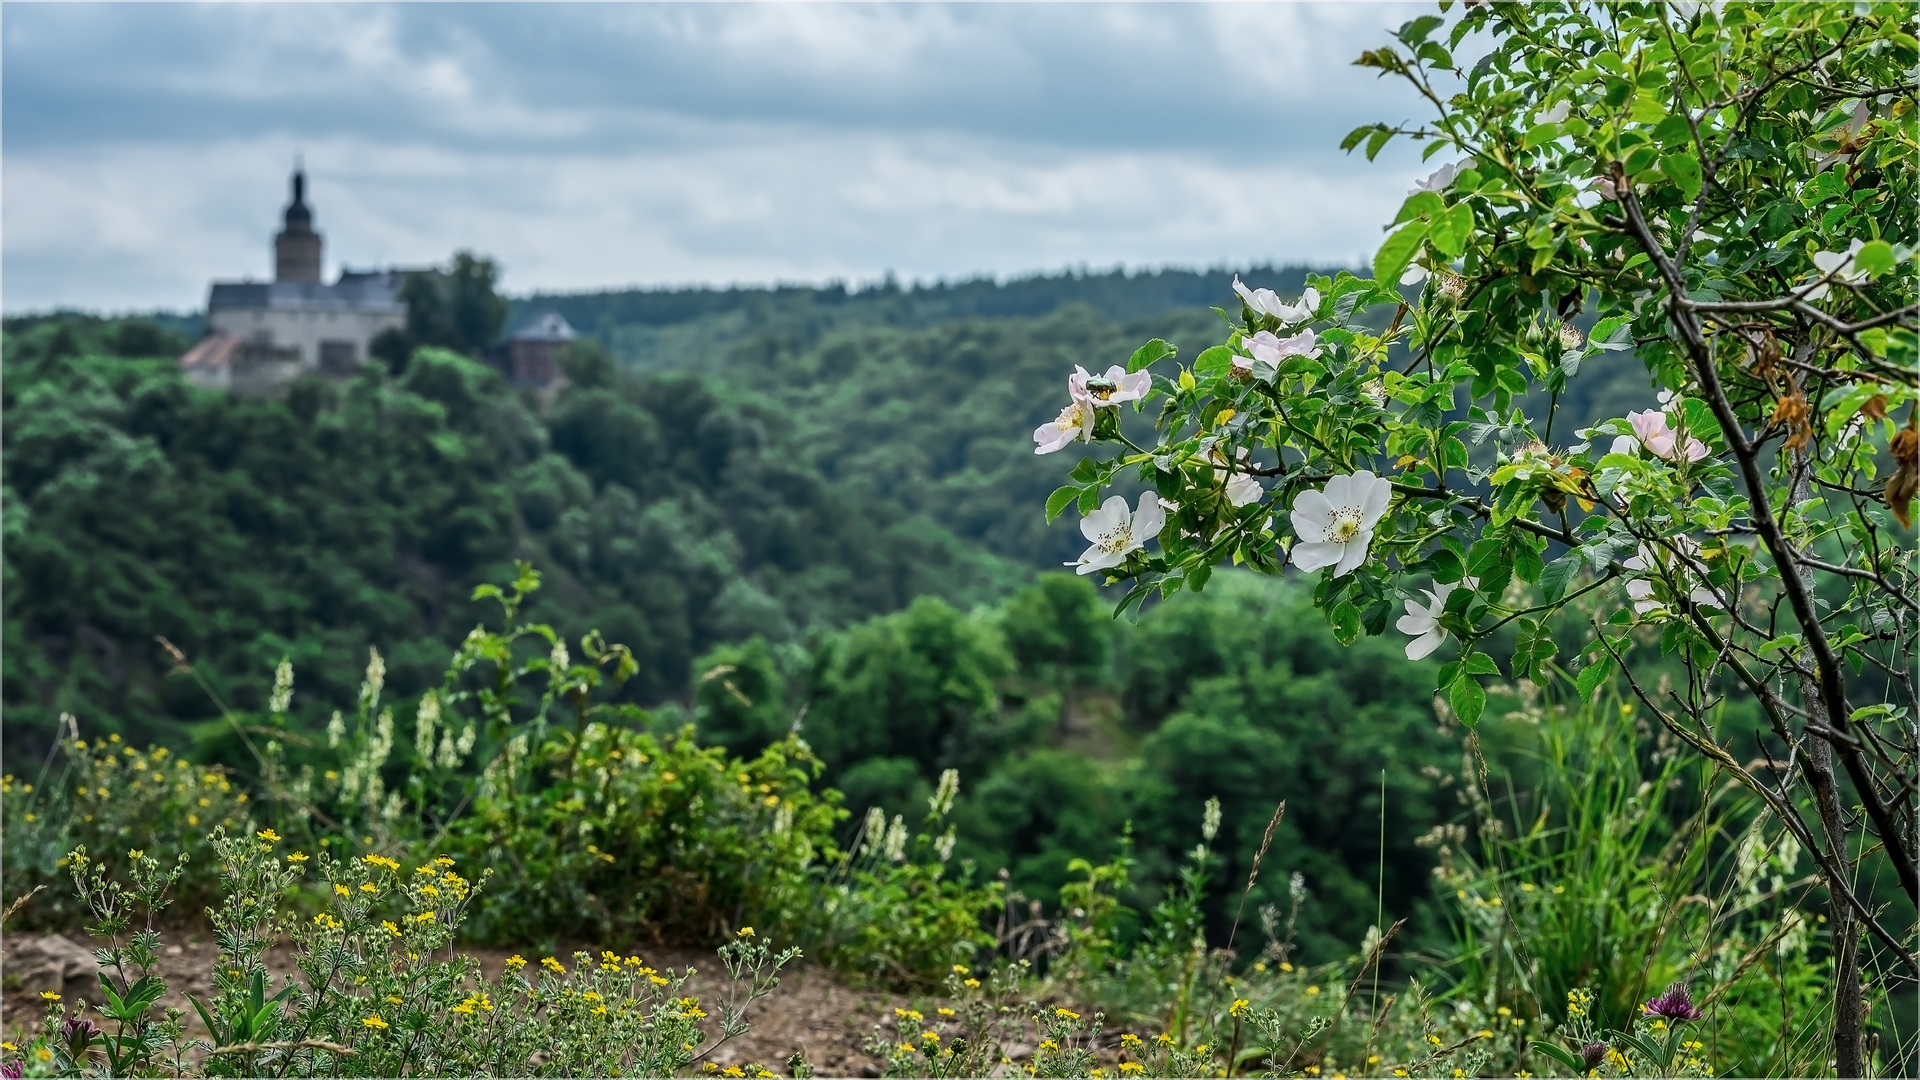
690,327
824,457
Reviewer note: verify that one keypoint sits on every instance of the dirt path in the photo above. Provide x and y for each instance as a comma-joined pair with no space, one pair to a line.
809,1012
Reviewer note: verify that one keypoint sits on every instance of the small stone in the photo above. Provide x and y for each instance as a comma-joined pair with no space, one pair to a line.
52,963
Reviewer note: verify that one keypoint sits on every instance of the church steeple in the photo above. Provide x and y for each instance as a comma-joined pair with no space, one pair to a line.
296,250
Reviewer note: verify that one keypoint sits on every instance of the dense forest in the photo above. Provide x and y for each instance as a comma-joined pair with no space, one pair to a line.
830,495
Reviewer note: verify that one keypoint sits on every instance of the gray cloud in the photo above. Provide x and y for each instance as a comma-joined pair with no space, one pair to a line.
145,145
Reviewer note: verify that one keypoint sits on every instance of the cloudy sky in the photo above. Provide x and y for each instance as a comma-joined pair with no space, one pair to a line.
144,149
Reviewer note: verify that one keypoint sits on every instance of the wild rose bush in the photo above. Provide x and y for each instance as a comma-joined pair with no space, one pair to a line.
1730,189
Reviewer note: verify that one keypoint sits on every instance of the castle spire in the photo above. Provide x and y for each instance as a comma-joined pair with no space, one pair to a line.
296,251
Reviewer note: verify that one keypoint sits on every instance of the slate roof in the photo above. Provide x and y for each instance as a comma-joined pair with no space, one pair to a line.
375,291
547,326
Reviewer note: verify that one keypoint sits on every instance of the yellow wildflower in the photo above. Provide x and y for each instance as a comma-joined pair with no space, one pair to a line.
341,889
961,969
971,984
268,835
395,999
1067,1014
49,995
297,857
1131,1068
516,962
375,1022
369,887
1311,990
1239,1006
552,965
745,931
1164,1039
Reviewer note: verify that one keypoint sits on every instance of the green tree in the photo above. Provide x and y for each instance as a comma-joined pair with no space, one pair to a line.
1732,187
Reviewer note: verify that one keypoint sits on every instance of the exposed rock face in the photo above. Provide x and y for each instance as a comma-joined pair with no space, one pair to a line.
54,963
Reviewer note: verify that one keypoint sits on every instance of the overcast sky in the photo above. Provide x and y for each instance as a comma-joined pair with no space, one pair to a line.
144,149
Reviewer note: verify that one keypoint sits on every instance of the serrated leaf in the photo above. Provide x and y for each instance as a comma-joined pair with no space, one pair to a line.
1451,230
1213,361
1149,353
1479,663
1346,622
1421,204
1398,250
1558,575
1468,699
1592,675
1526,563
1061,498
1445,567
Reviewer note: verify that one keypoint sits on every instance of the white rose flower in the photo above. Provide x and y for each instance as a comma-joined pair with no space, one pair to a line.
1423,622
1115,533
1441,180
1335,526
1242,488
1114,388
1678,565
1268,302
1835,266
1074,422
1269,350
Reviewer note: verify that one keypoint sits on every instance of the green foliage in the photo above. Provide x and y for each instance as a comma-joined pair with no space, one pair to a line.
623,834
379,992
455,309
106,796
345,515
1731,189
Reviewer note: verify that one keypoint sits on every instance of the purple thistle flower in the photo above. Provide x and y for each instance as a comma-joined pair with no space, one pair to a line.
79,1033
1592,1054
1675,1005
12,1070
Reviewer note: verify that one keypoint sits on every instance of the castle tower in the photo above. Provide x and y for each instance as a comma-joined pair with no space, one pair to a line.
296,250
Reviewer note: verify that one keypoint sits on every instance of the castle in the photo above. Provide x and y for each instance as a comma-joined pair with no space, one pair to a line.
261,334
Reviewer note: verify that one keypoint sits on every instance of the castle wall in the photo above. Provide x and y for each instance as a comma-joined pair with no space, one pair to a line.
308,331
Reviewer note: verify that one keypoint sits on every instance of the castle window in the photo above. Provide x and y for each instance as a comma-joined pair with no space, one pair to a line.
338,357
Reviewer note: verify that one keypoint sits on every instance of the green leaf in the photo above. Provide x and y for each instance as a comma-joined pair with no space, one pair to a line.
1379,139
1540,135
1572,1064
1451,230
1479,663
1149,353
1591,676
1446,567
1684,171
1468,699
1058,502
1353,137
1421,204
1526,563
1213,361
1875,257
1346,622
1415,31
1398,250
1558,574
1486,554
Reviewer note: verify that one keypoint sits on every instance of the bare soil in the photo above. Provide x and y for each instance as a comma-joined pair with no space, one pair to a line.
810,1012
